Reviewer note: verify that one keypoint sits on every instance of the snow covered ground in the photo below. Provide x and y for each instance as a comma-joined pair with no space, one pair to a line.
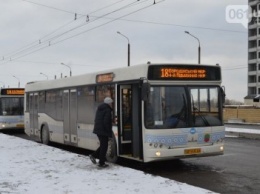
242,130
28,168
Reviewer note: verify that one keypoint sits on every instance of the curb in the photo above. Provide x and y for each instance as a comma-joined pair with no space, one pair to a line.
241,123
243,135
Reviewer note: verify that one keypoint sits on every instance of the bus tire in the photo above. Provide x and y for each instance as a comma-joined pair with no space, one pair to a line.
112,150
45,138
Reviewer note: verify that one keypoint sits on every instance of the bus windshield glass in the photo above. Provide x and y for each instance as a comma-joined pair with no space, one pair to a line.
182,106
11,106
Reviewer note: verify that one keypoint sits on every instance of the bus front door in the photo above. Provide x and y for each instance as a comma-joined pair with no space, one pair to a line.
70,116
129,110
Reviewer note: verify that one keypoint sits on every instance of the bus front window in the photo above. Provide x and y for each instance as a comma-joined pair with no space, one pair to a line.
181,106
11,106
166,108
205,108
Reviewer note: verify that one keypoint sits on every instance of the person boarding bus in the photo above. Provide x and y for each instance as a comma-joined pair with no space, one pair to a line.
103,129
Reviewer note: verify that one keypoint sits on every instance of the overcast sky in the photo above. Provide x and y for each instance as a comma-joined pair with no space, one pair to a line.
36,36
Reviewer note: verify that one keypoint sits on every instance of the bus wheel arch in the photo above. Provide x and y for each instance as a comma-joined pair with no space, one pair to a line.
112,150
45,136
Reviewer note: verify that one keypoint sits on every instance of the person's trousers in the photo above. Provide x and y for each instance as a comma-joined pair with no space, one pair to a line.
101,152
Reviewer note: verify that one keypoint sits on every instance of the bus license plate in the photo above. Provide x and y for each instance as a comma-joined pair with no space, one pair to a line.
20,125
192,151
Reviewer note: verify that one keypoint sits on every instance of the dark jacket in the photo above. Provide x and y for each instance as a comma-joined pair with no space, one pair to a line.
103,120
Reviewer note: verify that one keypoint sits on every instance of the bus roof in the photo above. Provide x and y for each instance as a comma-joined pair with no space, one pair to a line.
135,72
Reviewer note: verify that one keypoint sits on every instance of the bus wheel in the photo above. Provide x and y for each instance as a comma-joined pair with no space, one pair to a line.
45,135
112,150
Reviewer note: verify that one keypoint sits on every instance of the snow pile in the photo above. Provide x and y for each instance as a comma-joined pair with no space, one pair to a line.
242,130
28,168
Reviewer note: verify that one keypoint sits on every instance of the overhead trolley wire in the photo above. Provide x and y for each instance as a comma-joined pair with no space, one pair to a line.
40,41
70,12
52,38
179,25
104,16
90,21
50,7
106,23
84,15
48,41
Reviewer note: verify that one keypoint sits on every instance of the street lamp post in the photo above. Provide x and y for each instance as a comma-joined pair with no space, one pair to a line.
128,48
18,81
199,44
44,75
68,67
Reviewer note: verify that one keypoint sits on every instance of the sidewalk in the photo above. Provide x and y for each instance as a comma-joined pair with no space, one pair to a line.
28,167
242,132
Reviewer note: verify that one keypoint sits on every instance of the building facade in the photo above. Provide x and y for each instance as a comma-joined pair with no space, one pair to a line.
253,83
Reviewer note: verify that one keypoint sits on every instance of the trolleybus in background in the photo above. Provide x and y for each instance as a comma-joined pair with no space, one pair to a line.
161,111
11,108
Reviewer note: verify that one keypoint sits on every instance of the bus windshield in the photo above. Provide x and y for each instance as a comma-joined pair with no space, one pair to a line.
11,106
182,106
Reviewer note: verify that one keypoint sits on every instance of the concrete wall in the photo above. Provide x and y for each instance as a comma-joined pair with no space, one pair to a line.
251,102
242,114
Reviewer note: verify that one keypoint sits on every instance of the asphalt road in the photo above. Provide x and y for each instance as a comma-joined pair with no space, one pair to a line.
237,171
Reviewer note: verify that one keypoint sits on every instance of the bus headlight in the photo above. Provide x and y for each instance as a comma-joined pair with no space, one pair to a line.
221,148
158,154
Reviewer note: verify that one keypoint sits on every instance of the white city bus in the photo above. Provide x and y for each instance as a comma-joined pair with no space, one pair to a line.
161,111
11,108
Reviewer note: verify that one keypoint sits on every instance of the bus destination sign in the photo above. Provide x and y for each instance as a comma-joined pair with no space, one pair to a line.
183,72
107,77
14,91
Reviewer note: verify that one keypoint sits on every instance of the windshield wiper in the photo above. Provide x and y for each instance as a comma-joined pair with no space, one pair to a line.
195,109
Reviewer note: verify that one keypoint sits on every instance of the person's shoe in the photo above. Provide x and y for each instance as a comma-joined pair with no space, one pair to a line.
93,160
103,165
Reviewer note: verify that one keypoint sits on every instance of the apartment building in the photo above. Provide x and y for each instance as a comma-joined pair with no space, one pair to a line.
253,83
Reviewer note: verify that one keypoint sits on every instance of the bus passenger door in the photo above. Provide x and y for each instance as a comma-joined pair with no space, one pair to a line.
66,123
34,114
126,114
73,117
70,116
129,110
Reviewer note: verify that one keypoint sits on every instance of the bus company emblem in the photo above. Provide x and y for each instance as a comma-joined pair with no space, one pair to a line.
193,131
207,137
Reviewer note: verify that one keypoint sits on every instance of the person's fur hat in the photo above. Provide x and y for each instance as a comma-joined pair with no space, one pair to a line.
108,100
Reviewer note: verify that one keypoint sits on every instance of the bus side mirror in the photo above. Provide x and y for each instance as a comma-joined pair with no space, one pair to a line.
145,91
223,94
